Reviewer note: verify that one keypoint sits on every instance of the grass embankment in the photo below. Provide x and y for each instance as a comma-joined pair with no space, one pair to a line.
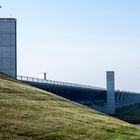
33,114
129,113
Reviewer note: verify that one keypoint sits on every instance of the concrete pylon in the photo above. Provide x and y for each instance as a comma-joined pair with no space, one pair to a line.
45,75
8,47
110,77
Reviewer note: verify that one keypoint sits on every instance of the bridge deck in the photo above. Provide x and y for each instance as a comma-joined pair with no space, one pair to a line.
38,80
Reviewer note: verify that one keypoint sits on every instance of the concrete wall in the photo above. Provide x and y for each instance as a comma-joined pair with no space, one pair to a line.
8,46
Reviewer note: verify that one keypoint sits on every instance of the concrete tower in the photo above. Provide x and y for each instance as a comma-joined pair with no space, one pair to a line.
110,92
8,62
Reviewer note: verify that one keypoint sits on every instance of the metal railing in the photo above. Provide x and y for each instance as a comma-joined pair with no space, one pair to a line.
38,80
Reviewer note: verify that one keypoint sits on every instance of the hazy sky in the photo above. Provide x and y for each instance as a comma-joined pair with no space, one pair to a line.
78,40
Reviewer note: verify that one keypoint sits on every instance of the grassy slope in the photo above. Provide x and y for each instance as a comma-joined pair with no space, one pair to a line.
129,113
29,113
133,110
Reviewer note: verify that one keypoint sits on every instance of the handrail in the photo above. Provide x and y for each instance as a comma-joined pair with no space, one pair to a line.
38,80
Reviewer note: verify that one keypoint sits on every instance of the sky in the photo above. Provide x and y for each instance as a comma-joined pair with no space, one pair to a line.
78,40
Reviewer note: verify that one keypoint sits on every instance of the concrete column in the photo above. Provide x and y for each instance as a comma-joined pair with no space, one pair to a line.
45,75
110,92
8,53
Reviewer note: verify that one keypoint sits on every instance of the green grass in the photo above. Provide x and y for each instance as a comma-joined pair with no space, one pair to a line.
133,110
28,113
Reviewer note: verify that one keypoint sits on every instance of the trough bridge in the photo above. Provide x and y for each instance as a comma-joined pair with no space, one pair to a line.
104,100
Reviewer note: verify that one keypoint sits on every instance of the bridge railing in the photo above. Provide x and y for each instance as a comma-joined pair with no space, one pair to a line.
38,80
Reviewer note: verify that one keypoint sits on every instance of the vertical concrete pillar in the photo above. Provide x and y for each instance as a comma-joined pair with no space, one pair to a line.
110,92
45,76
8,52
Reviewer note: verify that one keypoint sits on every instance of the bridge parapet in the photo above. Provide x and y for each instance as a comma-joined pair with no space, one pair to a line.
38,80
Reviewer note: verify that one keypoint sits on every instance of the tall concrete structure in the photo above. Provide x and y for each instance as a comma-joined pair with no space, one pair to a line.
8,61
110,92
